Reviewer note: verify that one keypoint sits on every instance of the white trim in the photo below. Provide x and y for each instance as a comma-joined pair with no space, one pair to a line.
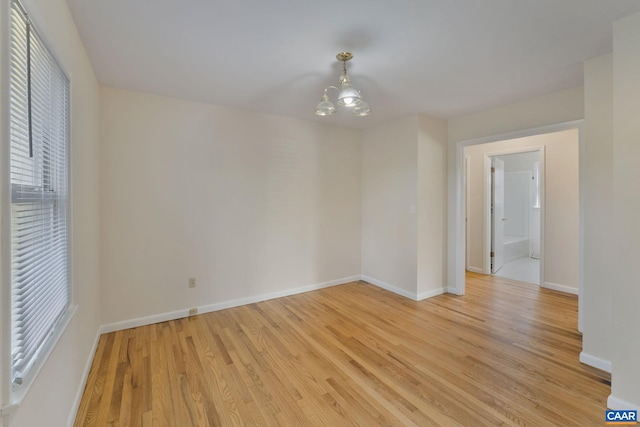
403,292
596,362
466,176
475,270
8,409
396,290
430,294
147,320
83,380
581,208
560,288
488,226
5,222
454,291
617,403
172,315
455,227
18,393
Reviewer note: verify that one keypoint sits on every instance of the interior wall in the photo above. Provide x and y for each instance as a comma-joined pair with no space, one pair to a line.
514,119
625,385
561,239
389,204
53,397
517,203
599,262
556,107
520,162
518,187
249,204
432,204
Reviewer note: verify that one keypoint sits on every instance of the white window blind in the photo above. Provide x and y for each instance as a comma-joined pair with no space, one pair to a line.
39,134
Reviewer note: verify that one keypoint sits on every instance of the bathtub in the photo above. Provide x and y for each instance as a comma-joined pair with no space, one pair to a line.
515,247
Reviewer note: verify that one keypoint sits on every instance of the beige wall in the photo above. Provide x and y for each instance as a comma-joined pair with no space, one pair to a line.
561,269
557,107
389,190
431,208
52,398
598,212
510,121
626,205
403,191
250,205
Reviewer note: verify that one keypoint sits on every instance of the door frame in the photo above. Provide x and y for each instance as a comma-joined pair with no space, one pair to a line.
455,214
466,173
487,200
498,253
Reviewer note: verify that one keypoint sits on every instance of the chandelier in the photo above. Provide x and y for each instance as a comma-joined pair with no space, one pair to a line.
347,95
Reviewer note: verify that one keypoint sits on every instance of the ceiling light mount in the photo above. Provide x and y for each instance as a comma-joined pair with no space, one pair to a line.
347,95
344,56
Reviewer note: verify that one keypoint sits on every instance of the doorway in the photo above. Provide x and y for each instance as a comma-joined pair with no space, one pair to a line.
515,208
457,247
504,234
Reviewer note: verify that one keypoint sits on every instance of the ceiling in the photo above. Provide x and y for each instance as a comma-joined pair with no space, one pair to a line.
444,58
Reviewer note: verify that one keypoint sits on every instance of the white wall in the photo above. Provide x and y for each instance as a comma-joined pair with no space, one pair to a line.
519,192
556,107
432,204
248,204
626,205
389,190
599,263
517,203
54,395
520,162
403,205
508,121
561,247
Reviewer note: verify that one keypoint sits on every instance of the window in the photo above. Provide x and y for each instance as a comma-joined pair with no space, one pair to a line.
39,236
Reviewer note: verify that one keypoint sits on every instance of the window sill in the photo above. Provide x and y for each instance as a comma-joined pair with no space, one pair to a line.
18,392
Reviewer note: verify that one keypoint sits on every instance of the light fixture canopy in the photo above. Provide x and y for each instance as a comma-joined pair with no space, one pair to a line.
348,96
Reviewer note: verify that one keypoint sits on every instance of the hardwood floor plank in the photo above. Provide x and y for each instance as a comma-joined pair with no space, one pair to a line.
93,388
355,355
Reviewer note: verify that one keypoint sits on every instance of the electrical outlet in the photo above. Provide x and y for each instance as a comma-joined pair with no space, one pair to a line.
193,311
192,282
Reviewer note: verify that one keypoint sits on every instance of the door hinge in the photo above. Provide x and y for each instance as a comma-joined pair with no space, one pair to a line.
492,255
493,170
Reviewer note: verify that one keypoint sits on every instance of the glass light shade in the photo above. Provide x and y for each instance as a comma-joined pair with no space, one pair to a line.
325,107
348,96
361,109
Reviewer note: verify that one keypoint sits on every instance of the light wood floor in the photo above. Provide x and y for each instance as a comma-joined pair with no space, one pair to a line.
504,354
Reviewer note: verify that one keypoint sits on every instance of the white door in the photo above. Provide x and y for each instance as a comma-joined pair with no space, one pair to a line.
497,214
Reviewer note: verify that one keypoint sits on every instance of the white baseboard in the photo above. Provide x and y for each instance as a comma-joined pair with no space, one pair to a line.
452,290
403,292
430,294
178,314
143,321
616,403
475,270
396,290
560,288
596,362
83,380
